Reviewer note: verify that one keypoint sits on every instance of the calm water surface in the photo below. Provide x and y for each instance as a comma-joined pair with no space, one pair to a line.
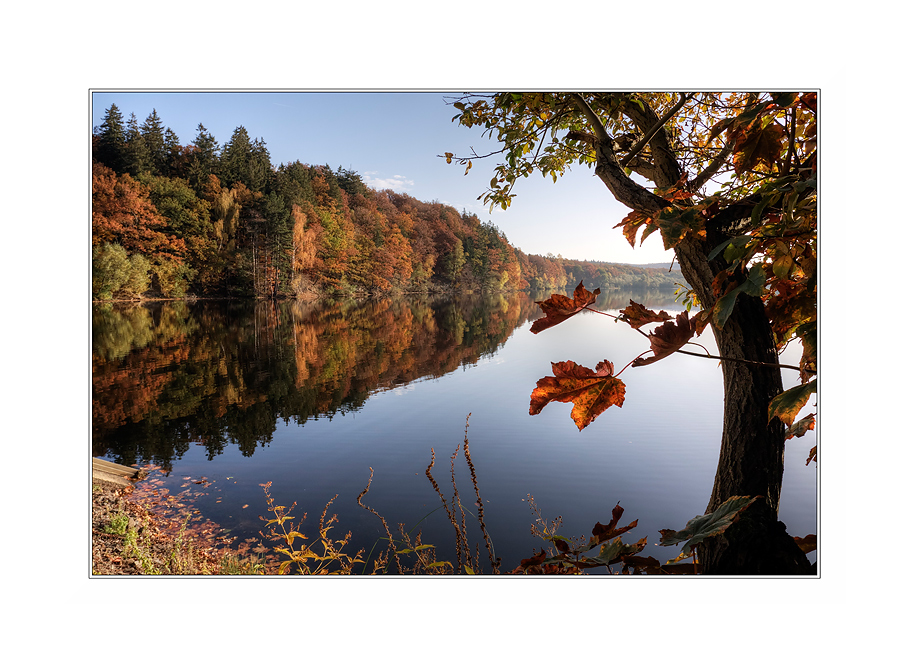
309,397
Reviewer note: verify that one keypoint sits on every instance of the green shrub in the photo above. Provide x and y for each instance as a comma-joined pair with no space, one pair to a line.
173,277
114,273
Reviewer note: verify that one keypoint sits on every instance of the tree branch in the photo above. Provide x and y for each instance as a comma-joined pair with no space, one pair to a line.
598,128
656,128
711,168
613,175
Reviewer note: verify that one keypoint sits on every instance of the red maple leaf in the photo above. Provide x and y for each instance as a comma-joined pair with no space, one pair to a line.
637,316
669,338
591,392
559,307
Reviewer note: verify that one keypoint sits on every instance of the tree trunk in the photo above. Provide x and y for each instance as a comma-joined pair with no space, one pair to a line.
751,452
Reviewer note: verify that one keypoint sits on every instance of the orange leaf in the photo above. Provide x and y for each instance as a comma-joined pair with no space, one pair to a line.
755,145
559,307
630,224
637,316
591,392
807,544
601,533
669,338
810,101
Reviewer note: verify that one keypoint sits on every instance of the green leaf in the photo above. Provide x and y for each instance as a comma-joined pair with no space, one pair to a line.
753,285
758,210
709,525
720,248
787,405
612,552
735,252
782,266
738,241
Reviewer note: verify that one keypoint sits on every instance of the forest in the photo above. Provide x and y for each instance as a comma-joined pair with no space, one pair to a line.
209,220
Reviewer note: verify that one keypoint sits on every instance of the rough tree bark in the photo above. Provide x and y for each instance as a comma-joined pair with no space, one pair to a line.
751,452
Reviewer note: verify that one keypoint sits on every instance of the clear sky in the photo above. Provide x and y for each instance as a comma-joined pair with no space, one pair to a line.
392,139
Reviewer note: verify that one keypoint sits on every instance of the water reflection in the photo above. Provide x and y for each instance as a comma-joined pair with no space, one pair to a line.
168,375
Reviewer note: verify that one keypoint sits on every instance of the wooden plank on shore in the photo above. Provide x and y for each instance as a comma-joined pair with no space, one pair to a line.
110,478
100,465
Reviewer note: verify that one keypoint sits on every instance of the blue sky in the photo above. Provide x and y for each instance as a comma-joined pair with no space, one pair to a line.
392,140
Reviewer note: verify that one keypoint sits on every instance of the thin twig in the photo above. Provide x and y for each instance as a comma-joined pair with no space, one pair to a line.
451,515
695,354
473,476
742,361
391,539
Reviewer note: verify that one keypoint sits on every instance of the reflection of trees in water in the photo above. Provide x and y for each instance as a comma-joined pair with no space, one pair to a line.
173,374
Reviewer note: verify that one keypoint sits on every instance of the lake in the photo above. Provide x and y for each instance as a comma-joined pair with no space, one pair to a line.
310,396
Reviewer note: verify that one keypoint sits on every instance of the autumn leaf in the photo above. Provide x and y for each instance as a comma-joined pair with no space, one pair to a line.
536,559
591,392
601,533
807,544
755,145
637,315
801,427
674,224
632,222
787,405
559,307
701,527
668,338
809,100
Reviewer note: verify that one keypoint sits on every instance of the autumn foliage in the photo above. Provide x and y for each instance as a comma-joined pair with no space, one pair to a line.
212,220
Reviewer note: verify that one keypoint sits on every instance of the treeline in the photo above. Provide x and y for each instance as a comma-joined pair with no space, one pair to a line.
220,220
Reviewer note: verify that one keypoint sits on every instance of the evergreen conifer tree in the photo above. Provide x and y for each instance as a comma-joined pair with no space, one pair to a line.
137,160
204,159
259,166
153,134
111,146
174,154
235,158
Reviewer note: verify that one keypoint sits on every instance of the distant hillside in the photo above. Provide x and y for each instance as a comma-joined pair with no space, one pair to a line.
656,265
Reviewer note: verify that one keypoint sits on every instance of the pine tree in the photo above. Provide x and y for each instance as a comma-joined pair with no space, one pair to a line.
153,134
235,158
111,147
259,167
204,161
136,155
175,160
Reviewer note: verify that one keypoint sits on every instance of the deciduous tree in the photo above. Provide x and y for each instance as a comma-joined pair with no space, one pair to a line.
729,182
